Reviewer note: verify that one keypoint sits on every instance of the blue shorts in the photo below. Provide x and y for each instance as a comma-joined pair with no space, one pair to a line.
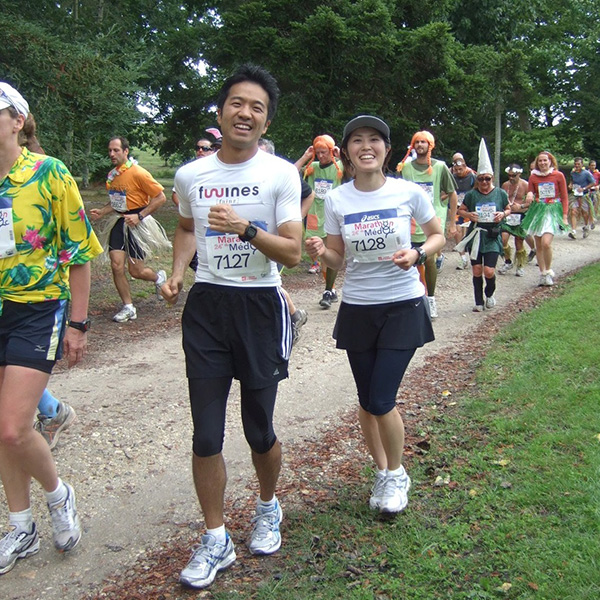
31,335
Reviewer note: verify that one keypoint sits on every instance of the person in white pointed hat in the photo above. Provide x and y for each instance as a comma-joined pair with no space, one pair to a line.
486,206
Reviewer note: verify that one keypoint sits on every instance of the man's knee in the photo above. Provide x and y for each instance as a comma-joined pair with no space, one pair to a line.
117,261
261,443
204,446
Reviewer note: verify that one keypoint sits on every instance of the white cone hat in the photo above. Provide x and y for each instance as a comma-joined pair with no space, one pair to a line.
485,164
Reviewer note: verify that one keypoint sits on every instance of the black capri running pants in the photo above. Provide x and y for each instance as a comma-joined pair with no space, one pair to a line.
208,399
378,374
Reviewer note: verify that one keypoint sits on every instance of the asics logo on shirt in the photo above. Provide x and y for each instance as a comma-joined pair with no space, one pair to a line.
226,194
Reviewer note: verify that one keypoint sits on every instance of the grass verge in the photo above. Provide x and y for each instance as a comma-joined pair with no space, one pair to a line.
505,501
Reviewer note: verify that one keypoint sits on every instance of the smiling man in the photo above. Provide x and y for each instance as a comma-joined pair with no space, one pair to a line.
240,208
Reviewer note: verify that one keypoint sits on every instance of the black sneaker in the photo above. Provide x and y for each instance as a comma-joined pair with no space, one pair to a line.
326,300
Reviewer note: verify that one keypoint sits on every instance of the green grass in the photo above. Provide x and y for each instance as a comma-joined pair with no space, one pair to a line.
520,518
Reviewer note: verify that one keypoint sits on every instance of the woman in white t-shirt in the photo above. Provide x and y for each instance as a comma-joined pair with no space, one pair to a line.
383,317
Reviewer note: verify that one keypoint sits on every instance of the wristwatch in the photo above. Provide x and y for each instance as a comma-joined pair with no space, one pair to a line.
249,234
81,325
422,256
141,217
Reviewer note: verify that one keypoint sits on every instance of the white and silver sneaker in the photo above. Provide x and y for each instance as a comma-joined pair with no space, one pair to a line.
395,493
520,272
377,491
433,311
208,558
66,530
161,278
17,543
490,302
266,537
126,314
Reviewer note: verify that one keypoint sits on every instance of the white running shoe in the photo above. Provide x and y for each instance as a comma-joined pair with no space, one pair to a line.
17,543
463,262
299,318
519,272
126,314
478,308
586,232
66,530
573,234
208,558
265,537
490,302
161,278
542,280
433,311
377,491
52,427
549,280
395,493
505,268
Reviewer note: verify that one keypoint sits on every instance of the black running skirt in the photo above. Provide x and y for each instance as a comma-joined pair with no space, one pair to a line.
395,325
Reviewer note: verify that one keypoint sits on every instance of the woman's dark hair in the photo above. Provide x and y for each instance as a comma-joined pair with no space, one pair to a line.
349,167
255,74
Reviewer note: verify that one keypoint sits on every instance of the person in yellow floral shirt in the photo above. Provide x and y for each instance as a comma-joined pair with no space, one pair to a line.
46,243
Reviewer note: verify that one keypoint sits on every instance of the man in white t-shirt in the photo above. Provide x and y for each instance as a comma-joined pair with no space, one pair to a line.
241,207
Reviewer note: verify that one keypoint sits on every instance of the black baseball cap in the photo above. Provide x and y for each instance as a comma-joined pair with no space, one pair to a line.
366,121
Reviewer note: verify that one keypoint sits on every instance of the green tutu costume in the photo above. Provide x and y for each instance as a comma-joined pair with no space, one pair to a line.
544,218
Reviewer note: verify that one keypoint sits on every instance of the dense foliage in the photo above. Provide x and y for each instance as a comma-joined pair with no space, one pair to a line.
149,69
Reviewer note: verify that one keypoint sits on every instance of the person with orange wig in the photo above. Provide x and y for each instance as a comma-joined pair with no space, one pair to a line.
434,177
323,172
547,214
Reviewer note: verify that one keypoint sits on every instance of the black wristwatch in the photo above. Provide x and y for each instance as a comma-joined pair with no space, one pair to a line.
81,325
422,256
141,217
249,234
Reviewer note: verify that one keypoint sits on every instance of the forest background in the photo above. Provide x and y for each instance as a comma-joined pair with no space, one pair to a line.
524,74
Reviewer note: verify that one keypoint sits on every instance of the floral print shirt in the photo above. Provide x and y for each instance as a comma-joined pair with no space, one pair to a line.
40,201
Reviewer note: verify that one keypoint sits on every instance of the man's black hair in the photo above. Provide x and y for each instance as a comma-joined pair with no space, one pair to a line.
255,74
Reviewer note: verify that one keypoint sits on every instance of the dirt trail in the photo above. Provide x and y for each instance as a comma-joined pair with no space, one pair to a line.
128,454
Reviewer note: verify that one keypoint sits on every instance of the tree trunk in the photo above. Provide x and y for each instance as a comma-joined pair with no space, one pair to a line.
498,147
69,149
85,168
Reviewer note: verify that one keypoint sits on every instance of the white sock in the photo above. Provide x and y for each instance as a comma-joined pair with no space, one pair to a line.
22,520
60,493
218,533
268,504
399,472
130,306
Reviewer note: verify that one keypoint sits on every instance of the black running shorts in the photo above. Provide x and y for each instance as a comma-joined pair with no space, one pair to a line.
239,332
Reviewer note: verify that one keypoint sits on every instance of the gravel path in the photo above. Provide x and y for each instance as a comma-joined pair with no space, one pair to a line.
128,454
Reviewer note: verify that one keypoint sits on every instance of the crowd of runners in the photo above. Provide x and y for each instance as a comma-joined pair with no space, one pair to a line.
243,215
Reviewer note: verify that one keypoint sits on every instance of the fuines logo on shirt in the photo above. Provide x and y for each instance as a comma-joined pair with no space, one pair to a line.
227,194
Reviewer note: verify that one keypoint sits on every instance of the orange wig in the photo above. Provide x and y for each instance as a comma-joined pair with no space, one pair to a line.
327,142
420,135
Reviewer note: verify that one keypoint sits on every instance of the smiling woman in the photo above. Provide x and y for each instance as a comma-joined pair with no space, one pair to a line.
383,317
